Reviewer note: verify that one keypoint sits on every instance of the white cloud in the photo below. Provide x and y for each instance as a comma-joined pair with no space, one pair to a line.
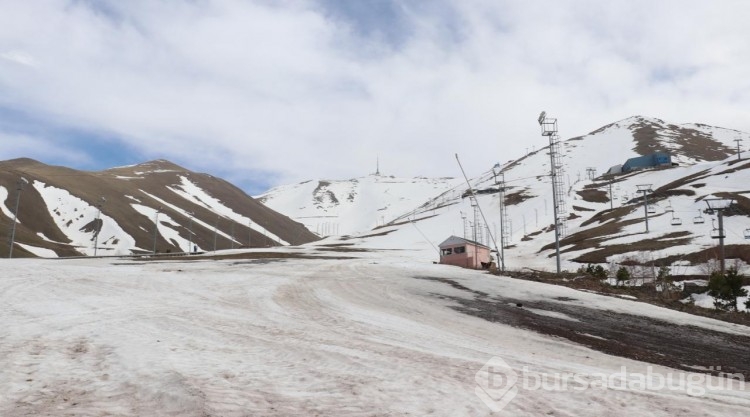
287,89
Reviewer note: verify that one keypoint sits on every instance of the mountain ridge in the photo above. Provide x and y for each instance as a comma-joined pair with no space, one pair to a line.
59,209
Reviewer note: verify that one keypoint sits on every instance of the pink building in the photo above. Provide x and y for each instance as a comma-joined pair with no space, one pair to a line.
464,253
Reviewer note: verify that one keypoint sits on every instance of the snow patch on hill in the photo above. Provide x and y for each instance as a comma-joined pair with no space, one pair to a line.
192,192
75,217
329,207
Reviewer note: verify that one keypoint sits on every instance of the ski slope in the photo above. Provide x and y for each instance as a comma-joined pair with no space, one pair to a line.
377,335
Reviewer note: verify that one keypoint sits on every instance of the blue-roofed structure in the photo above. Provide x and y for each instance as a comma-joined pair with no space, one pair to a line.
656,159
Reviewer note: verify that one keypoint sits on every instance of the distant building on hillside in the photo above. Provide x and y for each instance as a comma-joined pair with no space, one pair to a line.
656,159
464,253
615,169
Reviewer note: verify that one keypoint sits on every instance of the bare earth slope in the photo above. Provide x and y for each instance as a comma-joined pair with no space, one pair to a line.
58,211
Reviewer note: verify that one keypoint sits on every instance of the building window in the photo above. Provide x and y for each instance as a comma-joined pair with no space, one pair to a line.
460,249
448,251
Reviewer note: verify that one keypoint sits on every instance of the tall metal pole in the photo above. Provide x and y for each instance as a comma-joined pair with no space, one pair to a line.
156,226
249,233
190,234
501,203
216,228
645,189
553,175
473,194
719,205
19,187
549,128
611,197
502,232
721,240
738,140
98,226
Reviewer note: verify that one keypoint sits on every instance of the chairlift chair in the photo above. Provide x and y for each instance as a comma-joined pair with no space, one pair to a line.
676,221
669,208
699,219
747,233
650,209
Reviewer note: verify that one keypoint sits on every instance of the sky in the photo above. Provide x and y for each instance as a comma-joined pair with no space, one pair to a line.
264,93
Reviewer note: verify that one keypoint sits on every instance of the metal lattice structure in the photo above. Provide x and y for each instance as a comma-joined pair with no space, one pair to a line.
549,129
558,186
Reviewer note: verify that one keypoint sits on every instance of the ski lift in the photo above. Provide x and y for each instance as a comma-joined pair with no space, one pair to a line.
699,219
669,208
676,221
715,233
747,233
650,209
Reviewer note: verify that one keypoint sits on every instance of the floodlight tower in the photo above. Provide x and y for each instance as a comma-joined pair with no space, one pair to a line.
549,129
500,182
645,189
719,206
20,185
98,226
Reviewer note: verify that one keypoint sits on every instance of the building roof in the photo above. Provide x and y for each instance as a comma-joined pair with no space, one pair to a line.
455,240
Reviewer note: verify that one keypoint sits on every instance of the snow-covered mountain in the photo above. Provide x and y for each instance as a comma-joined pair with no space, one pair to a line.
329,207
679,227
61,210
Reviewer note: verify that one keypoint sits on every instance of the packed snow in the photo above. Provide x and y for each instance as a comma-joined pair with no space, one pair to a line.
299,337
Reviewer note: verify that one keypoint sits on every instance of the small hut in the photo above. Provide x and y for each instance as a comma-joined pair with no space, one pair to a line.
465,253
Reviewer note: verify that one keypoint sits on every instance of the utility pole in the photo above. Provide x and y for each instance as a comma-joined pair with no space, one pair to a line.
190,233
98,226
249,233
216,229
645,189
738,140
156,226
20,185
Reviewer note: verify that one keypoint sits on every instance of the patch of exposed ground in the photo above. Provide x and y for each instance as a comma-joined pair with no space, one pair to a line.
607,215
517,197
593,196
689,142
660,243
590,238
699,257
626,335
244,255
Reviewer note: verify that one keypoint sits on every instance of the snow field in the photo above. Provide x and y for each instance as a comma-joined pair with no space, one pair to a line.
294,337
